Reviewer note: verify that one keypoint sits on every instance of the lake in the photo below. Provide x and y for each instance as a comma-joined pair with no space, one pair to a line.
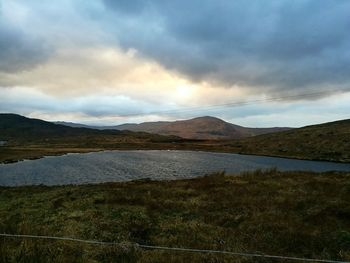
114,166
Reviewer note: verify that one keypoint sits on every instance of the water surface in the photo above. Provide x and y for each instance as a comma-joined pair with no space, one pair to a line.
112,166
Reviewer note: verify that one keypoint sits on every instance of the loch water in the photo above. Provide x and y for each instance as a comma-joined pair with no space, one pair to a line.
114,166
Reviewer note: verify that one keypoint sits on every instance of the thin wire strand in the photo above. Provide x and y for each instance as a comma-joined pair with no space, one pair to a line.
241,254
228,105
96,242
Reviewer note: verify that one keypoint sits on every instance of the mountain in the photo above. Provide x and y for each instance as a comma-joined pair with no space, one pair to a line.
199,128
17,126
204,128
14,126
152,127
76,125
25,138
149,126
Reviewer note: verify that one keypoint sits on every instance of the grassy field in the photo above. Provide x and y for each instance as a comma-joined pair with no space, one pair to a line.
282,213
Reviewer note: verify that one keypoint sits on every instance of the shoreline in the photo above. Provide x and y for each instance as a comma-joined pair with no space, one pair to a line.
83,151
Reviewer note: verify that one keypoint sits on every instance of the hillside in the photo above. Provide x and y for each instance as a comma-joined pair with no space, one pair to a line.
298,214
23,137
13,126
203,128
30,138
76,125
328,141
149,126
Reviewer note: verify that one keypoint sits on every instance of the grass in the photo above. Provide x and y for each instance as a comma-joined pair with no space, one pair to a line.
282,213
34,150
328,141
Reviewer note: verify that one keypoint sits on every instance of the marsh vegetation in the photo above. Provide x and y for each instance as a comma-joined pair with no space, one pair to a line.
282,213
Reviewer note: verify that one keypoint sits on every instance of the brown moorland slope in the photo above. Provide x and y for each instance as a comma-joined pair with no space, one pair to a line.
327,141
203,128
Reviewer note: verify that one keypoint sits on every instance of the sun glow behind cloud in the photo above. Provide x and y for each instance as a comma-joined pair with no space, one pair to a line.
106,71
184,92
104,59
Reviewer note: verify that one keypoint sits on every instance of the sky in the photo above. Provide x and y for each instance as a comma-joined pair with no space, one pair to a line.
106,62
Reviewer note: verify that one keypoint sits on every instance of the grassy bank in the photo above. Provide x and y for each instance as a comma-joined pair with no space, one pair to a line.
10,154
290,213
16,150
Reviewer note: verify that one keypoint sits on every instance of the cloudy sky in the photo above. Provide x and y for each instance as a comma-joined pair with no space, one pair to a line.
274,62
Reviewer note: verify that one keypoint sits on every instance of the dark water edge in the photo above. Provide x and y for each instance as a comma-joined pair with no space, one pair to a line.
116,166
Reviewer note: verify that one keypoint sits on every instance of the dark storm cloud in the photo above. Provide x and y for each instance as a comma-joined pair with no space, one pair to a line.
273,45
19,51
280,45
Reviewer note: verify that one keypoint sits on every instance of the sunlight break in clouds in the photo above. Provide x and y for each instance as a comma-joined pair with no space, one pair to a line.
115,58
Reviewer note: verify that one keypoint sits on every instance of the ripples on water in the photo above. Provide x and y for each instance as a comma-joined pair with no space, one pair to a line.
111,166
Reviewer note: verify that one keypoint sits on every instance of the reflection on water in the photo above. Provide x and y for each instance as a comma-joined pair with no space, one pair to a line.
130,165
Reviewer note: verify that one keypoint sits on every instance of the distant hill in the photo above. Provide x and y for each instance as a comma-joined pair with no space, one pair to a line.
207,128
17,126
76,125
127,126
20,128
25,138
328,141
200,128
